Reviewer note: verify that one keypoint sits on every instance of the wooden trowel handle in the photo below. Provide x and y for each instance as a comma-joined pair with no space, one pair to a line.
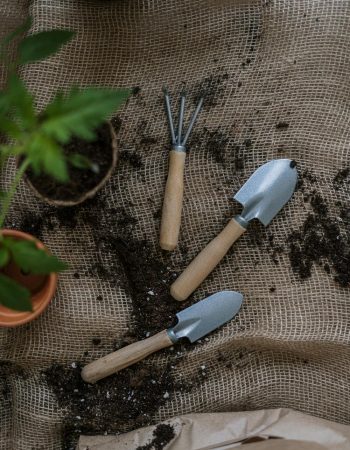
125,357
172,205
205,261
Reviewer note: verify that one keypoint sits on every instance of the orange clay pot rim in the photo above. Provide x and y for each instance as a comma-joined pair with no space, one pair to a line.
50,286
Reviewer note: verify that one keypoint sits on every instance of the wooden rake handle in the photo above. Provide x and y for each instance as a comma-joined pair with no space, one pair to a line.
206,261
172,205
126,356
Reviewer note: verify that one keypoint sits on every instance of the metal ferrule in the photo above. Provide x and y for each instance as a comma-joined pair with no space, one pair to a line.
179,148
172,335
241,221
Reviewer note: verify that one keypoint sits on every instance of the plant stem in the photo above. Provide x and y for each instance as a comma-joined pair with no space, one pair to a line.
8,198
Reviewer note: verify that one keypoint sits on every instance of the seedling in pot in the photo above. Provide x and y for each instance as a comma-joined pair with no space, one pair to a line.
35,139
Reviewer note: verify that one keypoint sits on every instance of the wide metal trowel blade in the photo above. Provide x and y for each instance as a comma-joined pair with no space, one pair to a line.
268,190
207,315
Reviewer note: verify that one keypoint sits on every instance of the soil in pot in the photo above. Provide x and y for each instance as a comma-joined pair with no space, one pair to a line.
100,153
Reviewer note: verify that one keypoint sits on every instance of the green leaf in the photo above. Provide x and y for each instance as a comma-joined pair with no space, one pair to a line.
5,152
20,30
13,295
82,162
42,45
47,156
80,112
10,127
34,260
55,164
4,256
21,102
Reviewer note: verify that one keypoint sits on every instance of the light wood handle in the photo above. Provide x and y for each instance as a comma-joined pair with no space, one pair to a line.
172,204
126,356
205,261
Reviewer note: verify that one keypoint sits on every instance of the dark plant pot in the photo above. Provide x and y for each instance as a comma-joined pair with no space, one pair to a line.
83,193
42,287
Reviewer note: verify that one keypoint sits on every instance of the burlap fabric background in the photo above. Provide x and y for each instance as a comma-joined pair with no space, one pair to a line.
295,56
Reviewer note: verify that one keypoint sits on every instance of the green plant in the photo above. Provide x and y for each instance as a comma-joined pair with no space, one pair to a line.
36,140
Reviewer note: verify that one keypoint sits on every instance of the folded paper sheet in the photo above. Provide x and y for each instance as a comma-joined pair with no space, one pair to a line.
272,429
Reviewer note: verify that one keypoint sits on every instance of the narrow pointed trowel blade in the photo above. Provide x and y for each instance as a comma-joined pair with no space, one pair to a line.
207,315
268,190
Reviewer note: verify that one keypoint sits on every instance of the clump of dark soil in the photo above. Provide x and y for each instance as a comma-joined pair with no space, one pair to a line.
306,180
282,125
162,435
8,372
119,403
33,224
99,153
322,240
211,88
342,178
133,158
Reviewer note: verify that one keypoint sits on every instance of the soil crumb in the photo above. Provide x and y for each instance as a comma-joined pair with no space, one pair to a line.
87,179
119,403
162,435
282,125
322,240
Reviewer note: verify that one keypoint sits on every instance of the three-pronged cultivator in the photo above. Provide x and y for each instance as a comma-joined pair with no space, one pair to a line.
173,197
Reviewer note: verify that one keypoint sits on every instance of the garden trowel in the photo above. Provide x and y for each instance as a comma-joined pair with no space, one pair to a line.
192,323
262,196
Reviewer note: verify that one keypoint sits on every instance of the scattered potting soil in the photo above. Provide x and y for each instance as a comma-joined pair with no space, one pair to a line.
129,399
32,223
211,88
215,143
260,236
99,153
253,30
119,403
342,178
322,240
221,147
8,372
162,435
133,158
146,278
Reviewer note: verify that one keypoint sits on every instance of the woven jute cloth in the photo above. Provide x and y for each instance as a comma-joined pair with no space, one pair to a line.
272,62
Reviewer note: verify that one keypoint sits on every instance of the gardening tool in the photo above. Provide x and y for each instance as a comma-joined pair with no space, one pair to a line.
192,323
262,196
172,204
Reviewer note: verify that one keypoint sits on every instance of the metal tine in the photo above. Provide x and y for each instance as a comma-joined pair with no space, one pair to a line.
181,116
192,121
169,115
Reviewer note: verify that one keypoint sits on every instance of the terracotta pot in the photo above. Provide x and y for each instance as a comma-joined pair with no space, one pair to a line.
42,287
92,192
